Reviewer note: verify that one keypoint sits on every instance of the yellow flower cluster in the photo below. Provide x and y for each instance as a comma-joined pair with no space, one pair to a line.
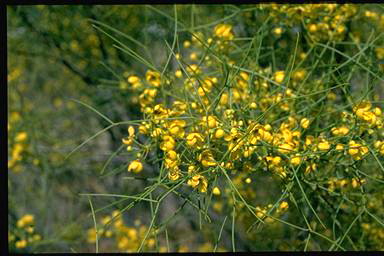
356,150
128,239
129,140
373,117
18,145
263,212
24,234
343,183
209,120
212,126
321,21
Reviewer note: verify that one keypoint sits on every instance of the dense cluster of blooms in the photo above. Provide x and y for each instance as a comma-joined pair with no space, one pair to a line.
24,233
320,23
127,238
216,125
18,142
251,119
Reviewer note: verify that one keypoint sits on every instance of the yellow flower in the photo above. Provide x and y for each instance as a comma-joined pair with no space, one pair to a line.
354,183
186,44
216,191
178,74
177,128
304,123
253,105
362,107
108,233
172,155
219,133
377,111
198,181
380,146
129,139
136,166
369,117
168,143
224,31
211,121
172,159
157,132
224,98
206,158
21,244
362,111
277,31
309,140
143,129
193,56
174,174
312,28
357,150
193,69
91,235
133,79
285,148
21,136
195,140
340,131
283,206
299,75
287,135
27,219
296,160
265,135
339,147
122,243
279,76
276,160
29,229
153,77
323,145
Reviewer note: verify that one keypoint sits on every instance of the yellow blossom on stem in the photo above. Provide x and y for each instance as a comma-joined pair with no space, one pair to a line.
304,123
279,76
296,160
174,174
323,145
206,158
195,140
153,77
21,136
200,182
219,133
216,191
224,31
283,206
168,143
210,120
356,150
136,166
341,131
